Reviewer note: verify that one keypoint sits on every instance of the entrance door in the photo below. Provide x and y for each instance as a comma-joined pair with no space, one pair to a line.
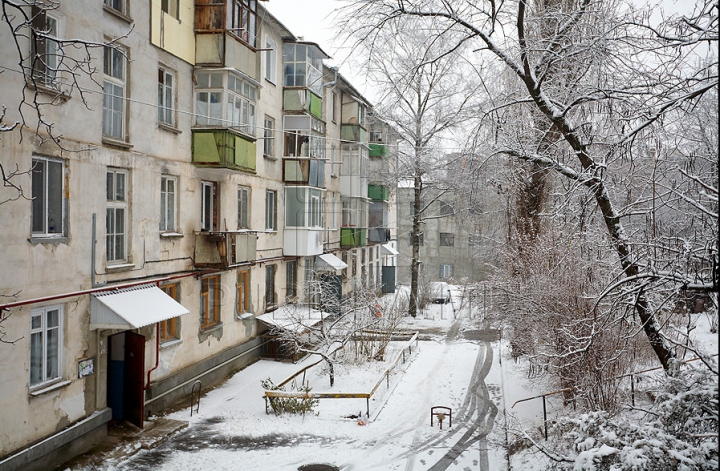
134,394
388,279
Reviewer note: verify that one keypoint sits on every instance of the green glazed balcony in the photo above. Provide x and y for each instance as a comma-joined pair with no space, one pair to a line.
378,150
302,99
223,149
353,237
378,192
354,133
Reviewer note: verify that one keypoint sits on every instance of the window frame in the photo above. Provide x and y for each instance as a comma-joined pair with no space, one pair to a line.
447,239
121,3
113,82
114,205
269,137
291,279
166,197
271,210
43,329
209,301
238,17
208,206
444,269
171,8
46,51
271,55
244,206
166,112
170,328
45,232
270,297
244,296
421,239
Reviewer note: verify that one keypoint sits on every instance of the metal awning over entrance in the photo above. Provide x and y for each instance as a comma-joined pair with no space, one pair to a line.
388,249
131,308
332,261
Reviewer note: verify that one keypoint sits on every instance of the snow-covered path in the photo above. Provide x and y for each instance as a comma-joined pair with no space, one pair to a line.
233,432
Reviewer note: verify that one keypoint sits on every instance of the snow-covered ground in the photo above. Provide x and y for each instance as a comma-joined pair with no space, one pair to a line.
461,363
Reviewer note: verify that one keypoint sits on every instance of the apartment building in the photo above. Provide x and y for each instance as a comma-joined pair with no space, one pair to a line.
219,169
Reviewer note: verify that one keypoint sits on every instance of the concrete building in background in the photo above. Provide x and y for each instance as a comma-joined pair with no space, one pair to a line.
218,171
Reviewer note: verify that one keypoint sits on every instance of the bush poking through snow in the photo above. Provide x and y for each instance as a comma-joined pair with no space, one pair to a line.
291,405
679,432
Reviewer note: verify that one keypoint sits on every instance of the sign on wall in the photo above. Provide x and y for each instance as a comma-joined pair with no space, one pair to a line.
86,367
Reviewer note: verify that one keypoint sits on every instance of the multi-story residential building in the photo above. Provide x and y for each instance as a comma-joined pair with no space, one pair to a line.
200,188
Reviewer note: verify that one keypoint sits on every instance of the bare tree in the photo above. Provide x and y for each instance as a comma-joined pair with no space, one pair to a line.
626,76
354,329
424,96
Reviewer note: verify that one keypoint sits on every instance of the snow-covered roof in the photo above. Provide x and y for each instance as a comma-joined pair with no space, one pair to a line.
293,317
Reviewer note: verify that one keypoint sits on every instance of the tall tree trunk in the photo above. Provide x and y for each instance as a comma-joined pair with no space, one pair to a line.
415,237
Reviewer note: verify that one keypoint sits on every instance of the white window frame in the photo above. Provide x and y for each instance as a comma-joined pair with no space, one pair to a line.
40,331
166,96
271,210
113,206
171,7
243,207
45,198
271,55
269,137
207,206
446,271
47,51
168,203
114,88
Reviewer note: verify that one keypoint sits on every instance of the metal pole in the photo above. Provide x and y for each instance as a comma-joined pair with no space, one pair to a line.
545,417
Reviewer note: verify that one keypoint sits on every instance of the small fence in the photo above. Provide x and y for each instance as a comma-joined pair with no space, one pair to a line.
633,380
401,356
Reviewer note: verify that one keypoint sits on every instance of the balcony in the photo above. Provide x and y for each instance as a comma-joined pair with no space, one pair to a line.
224,249
302,99
378,193
353,237
223,149
302,241
378,150
306,172
353,132
379,235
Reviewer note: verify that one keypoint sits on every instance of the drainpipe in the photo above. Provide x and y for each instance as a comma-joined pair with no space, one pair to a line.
157,354
92,257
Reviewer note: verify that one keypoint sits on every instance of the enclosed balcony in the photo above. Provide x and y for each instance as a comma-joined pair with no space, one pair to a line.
378,192
215,249
354,170
223,149
353,132
378,150
302,66
353,232
301,99
378,217
303,231
226,34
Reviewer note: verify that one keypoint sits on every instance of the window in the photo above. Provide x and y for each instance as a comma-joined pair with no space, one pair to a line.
270,60
303,207
333,108
116,215
447,239
270,210
209,301
270,299
243,207
46,53
172,8
303,67
243,291
291,279
231,105
170,328
269,137
209,206
446,271
48,197
166,96
421,239
114,93
334,163
167,203
344,257
446,209
117,5
412,207
45,344
244,20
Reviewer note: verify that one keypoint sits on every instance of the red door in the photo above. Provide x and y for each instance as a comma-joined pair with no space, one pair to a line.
134,378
